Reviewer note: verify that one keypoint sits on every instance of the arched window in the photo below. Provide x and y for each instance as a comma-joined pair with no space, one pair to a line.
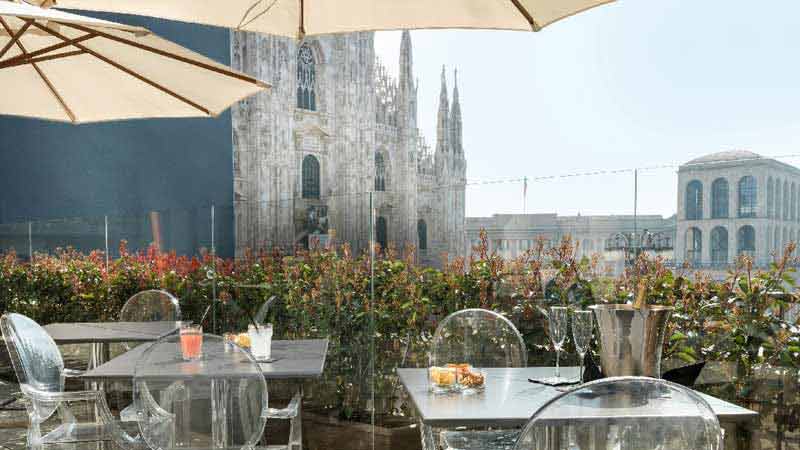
694,200
719,198
793,207
694,245
380,232
786,200
747,196
306,79
746,241
770,198
422,234
719,246
310,177
380,172
778,200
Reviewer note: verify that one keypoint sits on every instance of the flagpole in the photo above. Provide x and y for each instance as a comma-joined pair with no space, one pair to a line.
525,196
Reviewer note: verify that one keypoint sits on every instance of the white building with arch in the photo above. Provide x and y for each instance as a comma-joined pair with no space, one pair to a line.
732,203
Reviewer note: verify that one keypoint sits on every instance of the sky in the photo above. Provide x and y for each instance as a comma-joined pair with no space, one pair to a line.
635,83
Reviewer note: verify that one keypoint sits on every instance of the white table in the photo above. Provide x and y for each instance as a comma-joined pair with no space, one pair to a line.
509,400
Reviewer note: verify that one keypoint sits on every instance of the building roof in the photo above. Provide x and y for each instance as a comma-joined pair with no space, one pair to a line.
731,155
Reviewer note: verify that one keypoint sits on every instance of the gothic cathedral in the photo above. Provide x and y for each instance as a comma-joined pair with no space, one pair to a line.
334,128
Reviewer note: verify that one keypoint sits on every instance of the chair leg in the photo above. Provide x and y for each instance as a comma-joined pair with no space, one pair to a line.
428,436
34,435
296,426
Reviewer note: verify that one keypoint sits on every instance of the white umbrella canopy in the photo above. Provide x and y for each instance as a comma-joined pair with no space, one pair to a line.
64,67
298,18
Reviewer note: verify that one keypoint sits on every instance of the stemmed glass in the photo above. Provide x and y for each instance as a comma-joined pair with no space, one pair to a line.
558,323
582,327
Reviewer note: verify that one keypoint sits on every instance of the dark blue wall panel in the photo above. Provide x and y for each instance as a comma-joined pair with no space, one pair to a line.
126,169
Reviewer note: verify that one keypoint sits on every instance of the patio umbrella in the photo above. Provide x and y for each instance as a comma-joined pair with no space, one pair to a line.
60,66
298,18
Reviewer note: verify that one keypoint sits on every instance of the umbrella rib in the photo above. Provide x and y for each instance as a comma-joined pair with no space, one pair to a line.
527,15
39,71
266,10
166,54
20,59
22,62
14,37
127,70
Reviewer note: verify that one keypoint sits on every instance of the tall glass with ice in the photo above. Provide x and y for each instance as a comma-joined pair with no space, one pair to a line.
260,341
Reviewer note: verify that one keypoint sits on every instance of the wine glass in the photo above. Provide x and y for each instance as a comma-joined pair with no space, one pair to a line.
558,323
582,327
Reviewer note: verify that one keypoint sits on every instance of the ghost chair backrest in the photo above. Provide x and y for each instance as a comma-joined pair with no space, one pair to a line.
151,306
34,355
218,400
624,412
480,338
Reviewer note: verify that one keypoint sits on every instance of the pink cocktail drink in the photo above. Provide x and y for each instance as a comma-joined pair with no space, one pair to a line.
191,342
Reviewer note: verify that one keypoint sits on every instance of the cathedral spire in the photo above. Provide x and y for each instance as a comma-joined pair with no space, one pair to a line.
406,60
443,119
407,89
455,119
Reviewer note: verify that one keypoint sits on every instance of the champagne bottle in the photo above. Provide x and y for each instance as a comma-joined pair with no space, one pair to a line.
639,302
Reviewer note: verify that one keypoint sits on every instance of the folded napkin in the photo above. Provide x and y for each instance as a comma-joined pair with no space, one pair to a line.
686,375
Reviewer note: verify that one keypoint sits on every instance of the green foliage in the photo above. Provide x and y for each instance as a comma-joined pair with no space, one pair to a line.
327,292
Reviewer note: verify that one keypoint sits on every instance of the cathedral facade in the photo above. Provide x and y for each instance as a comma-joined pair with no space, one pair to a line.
333,150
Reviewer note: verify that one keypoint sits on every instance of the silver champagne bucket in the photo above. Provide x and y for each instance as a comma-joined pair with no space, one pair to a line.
631,339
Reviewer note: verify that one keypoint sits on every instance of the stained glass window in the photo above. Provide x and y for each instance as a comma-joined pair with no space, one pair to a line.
306,79
380,172
381,233
422,233
310,177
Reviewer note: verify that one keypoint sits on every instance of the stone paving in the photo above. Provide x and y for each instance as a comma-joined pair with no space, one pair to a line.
13,420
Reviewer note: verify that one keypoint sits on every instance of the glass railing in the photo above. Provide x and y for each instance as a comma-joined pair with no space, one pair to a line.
375,272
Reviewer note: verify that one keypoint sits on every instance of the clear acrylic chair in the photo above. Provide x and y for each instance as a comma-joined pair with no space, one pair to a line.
482,339
624,413
152,305
56,416
218,400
